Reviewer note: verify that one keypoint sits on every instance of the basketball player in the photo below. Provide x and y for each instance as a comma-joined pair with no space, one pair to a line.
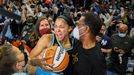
61,37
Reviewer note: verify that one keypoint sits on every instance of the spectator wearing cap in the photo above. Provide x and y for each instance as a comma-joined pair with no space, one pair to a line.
105,42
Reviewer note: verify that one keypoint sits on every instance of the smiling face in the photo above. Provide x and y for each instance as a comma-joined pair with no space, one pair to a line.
61,29
44,24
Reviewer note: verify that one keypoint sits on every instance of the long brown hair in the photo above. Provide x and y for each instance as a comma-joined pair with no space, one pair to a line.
38,23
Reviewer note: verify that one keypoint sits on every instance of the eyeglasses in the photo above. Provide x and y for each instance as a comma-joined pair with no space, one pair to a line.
21,60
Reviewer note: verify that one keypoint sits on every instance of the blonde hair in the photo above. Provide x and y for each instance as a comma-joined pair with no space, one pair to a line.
8,59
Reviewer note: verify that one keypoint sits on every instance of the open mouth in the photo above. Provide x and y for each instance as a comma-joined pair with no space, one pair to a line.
59,35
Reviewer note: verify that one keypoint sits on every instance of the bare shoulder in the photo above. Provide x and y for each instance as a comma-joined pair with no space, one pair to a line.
47,37
45,40
42,44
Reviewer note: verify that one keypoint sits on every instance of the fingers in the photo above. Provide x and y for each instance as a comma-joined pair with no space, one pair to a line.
43,61
132,51
47,58
50,66
121,51
116,49
43,64
47,67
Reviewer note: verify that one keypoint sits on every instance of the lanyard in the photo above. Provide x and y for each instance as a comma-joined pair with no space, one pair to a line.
60,44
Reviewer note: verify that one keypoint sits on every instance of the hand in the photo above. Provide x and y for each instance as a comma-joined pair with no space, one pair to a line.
46,66
42,63
132,51
121,51
116,49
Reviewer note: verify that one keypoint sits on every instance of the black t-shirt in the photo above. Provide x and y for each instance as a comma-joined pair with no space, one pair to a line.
90,61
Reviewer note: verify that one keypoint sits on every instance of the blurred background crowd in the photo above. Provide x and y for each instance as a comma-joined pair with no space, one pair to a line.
111,12
20,21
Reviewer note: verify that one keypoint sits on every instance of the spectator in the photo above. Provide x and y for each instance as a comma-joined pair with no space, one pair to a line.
122,45
11,61
105,41
90,57
42,27
28,28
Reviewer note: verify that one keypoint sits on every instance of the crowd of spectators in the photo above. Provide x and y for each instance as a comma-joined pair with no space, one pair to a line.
113,13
